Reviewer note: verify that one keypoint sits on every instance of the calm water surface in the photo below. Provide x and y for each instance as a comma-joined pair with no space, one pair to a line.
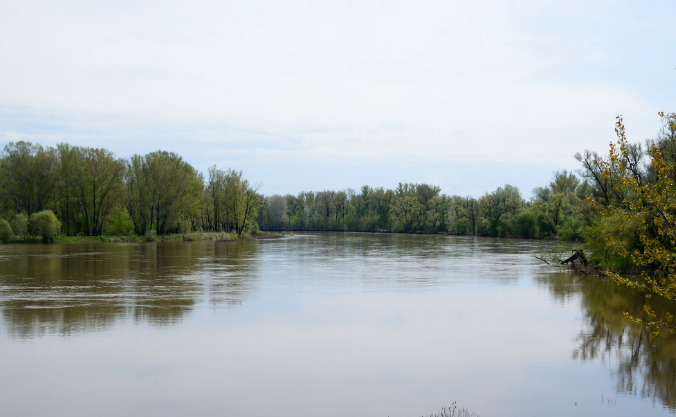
323,324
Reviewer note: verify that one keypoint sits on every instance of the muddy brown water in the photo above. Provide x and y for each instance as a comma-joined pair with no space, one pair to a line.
318,324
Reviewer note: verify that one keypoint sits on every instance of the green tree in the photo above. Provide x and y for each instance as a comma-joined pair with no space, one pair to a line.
651,206
159,187
19,225
68,171
27,176
497,211
99,187
119,222
5,231
242,201
45,224
558,207
184,225
406,214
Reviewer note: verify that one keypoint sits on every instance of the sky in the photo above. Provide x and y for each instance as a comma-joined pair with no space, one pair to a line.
317,95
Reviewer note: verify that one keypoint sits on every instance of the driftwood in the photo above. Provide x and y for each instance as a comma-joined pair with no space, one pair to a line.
578,262
537,257
578,255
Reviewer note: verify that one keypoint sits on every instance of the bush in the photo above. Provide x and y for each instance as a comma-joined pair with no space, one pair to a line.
150,236
526,224
571,229
184,225
119,222
5,231
45,224
19,225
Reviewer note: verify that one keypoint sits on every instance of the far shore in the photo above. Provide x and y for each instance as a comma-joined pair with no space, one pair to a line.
174,237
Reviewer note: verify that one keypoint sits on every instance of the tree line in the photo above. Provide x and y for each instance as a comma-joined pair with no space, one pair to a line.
91,192
573,206
555,210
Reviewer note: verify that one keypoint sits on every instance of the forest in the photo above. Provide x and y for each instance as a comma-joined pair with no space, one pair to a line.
90,192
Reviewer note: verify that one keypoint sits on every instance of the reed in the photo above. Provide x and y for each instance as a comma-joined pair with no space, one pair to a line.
454,411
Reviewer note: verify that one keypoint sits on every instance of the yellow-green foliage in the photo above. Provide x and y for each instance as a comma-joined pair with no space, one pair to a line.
150,235
5,231
45,224
649,209
119,222
611,239
19,224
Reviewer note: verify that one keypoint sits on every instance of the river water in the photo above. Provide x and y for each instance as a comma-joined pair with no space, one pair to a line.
318,324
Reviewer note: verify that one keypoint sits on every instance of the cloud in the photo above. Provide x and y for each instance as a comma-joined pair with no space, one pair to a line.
290,84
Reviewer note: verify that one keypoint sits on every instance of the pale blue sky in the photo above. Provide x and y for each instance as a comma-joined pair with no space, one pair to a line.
304,95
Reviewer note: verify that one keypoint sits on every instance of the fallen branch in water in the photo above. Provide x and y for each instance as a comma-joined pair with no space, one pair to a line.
537,257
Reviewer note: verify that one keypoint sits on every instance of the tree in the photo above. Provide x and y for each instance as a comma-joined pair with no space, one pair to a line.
68,156
651,206
160,186
98,187
184,225
497,211
5,231
277,211
242,201
45,224
19,225
406,214
557,207
28,174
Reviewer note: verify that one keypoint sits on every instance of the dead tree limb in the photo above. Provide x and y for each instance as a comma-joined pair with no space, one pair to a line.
537,257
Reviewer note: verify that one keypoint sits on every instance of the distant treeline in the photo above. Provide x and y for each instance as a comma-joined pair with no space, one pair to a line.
555,210
573,206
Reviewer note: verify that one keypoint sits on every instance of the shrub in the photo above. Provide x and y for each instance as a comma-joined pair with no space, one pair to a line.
5,231
184,225
20,225
45,224
150,236
526,224
119,222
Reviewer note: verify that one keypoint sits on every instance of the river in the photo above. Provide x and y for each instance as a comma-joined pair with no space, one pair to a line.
319,324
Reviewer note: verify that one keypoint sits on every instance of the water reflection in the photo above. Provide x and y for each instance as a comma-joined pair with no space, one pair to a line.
70,289
74,288
640,365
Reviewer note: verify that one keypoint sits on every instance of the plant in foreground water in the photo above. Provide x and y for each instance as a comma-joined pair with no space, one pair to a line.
454,411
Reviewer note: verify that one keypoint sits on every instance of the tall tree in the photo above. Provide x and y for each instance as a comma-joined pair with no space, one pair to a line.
99,187
28,173
161,186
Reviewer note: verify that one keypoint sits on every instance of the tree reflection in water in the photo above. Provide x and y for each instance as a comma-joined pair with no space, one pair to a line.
73,289
640,365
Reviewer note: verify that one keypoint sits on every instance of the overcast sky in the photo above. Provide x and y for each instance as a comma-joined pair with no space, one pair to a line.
304,95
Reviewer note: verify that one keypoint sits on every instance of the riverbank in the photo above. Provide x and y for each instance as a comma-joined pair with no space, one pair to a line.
177,237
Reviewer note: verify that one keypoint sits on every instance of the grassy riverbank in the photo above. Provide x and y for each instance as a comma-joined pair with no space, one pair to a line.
189,237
